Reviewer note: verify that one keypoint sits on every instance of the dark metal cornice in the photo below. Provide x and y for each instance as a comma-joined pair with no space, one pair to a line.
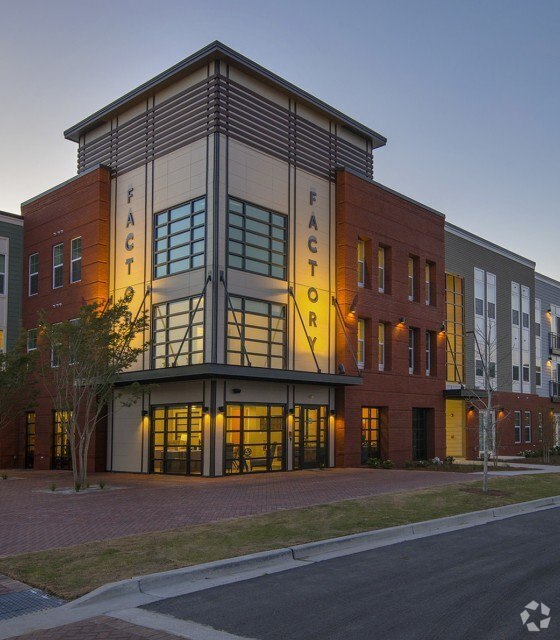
217,50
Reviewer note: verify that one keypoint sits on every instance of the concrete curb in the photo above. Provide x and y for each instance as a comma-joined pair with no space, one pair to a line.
267,560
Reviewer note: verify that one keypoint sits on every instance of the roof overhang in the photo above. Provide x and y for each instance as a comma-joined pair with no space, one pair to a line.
467,394
217,51
204,371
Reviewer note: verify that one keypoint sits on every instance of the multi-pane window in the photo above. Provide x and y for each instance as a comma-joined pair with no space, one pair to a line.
58,265
478,368
525,319
361,350
411,345
381,269
411,283
526,374
2,274
361,263
257,239
178,337
515,373
177,439
429,347
527,426
62,458
256,333
76,260
179,238
33,274
381,347
517,426
455,327
428,282
538,376
370,433
31,339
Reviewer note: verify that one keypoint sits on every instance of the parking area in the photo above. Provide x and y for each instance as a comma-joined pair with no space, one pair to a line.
34,518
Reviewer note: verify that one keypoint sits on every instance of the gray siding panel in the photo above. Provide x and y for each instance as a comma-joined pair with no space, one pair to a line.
14,233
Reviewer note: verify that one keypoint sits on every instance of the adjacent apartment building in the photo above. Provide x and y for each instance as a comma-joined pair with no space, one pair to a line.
11,241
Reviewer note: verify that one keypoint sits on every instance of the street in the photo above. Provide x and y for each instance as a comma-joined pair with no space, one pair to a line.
471,583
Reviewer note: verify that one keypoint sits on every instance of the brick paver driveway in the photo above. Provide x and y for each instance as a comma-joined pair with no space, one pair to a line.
32,518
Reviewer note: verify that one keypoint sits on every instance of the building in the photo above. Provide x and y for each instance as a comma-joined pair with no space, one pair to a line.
237,207
547,352
493,339
11,240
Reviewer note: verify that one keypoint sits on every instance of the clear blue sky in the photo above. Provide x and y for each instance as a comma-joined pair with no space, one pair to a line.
467,93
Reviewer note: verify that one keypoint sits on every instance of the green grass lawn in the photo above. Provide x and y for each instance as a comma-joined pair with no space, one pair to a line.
73,571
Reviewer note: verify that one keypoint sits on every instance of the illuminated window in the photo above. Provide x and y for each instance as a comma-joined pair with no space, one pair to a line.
178,336
256,331
76,260
455,328
176,439
428,282
361,263
2,274
179,238
412,267
370,433
361,350
62,457
257,240
58,265
33,274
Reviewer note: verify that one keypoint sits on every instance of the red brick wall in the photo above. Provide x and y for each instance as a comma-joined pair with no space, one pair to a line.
77,208
366,211
505,432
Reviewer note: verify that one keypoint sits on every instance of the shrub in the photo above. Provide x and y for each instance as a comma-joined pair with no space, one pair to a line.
388,464
449,460
374,463
77,486
53,486
4,476
101,484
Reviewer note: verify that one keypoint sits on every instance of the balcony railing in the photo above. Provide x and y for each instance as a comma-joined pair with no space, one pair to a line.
554,391
555,343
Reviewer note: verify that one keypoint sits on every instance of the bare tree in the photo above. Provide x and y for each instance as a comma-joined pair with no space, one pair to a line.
81,360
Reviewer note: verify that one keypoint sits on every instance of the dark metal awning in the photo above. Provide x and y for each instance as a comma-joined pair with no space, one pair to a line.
468,394
200,371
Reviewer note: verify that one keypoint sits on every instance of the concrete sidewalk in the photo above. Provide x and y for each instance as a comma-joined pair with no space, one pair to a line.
112,612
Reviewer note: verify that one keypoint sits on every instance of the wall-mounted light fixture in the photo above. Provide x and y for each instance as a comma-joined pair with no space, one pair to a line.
402,320
333,412
442,327
549,361
291,411
236,390
220,409
549,311
341,369
145,413
205,410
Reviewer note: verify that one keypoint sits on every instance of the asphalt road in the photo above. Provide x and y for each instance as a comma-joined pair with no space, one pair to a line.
472,583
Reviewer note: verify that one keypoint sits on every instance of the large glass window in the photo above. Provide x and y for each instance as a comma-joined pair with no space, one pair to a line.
176,443
256,331
255,437
381,347
527,426
76,260
33,274
62,457
2,274
381,269
361,350
172,345
31,340
370,433
179,238
517,426
257,239
58,265
455,328
412,278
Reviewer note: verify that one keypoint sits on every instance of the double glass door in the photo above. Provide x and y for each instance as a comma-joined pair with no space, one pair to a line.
176,439
310,436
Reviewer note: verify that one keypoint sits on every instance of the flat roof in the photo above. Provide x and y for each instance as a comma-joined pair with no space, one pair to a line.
217,51
467,235
13,218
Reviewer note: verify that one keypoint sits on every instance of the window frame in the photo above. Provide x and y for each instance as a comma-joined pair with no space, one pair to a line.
271,251
3,272
411,348
411,267
168,235
381,270
361,343
381,339
517,426
74,261
32,274
58,266
527,427
361,263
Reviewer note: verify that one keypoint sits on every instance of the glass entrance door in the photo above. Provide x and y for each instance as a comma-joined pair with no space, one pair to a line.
310,436
419,434
176,442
